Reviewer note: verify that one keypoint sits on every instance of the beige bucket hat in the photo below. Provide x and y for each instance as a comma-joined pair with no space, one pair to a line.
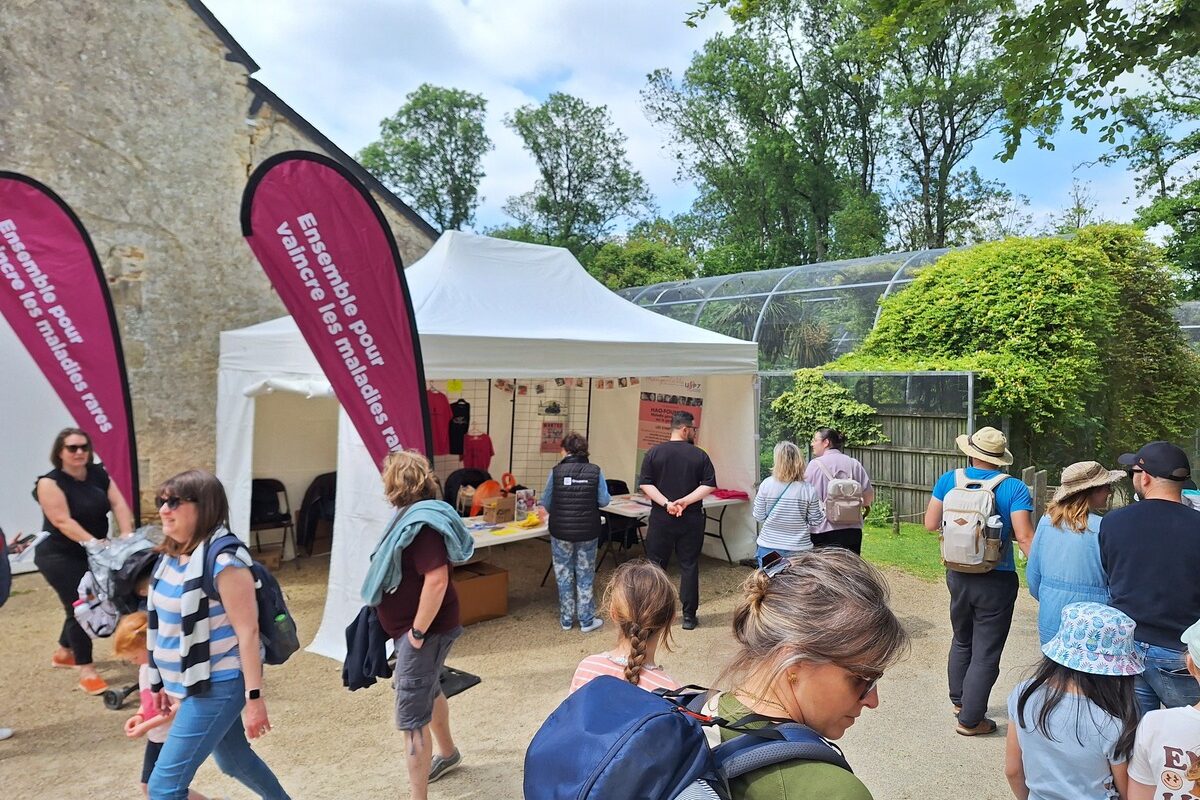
1085,475
986,444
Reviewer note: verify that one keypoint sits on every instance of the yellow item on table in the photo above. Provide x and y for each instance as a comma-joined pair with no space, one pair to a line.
532,520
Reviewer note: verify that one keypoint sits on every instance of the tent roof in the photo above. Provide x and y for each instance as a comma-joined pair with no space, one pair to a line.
494,308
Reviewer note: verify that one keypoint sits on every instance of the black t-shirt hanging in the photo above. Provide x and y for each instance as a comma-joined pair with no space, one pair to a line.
460,422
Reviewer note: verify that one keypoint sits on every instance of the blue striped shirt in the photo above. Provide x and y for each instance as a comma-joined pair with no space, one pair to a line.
226,663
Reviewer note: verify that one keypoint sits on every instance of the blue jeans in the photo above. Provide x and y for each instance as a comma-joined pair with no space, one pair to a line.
575,572
1166,680
762,551
211,723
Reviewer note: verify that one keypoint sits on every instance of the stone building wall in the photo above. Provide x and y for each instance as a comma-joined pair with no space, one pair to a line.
132,112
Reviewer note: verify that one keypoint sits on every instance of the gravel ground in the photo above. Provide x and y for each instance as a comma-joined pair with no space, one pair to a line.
329,743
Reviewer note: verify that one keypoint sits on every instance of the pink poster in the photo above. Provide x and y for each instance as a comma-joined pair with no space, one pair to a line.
330,255
54,295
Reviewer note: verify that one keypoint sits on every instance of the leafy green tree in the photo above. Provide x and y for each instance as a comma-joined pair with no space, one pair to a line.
586,183
431,152
975,211
1080,211
1046,323
1071,54
639,261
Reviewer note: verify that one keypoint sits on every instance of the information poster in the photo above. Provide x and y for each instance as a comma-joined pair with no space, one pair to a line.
659,399
552,436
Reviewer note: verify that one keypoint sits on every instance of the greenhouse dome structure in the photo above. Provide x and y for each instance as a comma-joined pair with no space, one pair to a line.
799,316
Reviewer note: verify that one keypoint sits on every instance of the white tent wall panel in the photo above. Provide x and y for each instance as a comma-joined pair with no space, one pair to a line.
295,440
30,416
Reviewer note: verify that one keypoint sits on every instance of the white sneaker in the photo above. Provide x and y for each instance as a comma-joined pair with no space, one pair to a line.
5,733
595,625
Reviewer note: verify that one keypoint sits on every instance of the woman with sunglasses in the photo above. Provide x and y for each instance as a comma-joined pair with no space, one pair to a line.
218,697
814,636
76,497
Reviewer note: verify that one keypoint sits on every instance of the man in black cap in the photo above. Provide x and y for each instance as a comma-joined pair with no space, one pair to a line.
1150,551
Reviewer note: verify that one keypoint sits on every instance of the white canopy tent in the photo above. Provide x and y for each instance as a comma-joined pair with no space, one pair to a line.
490,308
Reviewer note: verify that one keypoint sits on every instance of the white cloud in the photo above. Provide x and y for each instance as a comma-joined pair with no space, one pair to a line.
347,65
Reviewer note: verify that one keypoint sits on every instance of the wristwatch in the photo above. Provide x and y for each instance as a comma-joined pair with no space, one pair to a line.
254,694
418,634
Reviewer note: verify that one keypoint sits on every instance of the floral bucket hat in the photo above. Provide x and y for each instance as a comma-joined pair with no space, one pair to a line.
1096,639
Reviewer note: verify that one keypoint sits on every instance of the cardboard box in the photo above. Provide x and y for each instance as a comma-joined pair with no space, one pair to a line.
482,592
270,557
499,509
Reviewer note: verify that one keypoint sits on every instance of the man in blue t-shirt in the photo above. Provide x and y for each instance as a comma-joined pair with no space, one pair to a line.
981,604
1149,550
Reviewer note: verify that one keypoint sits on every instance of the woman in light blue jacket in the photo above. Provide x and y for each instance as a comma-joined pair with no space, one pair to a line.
1064,562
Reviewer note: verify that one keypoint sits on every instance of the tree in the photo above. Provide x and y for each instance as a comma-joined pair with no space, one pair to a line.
976,210
1072,53
639,261
943,93
1080,211
431,152
779,126
586,183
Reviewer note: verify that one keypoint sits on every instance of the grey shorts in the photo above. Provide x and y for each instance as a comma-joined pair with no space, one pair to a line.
416,677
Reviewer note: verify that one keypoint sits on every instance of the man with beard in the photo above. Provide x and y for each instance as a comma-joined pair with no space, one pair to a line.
677,476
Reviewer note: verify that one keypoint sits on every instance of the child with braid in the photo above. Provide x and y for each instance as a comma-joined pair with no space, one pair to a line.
641,603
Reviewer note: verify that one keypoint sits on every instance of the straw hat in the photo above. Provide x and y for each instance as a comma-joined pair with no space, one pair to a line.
1096,639
986,444
1085,475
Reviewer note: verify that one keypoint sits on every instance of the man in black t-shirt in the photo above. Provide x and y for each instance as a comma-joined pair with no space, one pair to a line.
1149,551
677,476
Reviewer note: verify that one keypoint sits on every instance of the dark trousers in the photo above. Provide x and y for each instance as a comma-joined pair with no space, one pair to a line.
63,568
849,538
686,545
981,612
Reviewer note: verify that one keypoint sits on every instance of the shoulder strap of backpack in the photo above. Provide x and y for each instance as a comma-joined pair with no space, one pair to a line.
777,499
213,548
822,467
776,743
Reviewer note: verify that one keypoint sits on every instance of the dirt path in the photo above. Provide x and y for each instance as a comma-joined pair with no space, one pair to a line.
329,743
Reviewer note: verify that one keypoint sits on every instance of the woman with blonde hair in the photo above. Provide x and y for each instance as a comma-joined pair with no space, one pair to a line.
641,602
787,507
814,636
408,583
1064,560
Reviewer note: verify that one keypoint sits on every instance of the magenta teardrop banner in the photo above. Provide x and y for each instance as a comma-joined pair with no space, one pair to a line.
329,253
54,295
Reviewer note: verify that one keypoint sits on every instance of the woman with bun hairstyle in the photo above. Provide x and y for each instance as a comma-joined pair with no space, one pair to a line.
814,636
829,463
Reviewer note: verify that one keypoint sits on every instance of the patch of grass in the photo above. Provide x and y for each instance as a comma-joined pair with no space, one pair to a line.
915,551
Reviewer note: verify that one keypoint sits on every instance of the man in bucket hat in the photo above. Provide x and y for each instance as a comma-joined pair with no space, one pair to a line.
981,604
1149,550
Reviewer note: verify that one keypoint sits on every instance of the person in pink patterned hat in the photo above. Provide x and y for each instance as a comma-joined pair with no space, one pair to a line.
1072,725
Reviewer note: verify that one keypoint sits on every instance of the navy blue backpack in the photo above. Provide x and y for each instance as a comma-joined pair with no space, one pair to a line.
276,626
611,740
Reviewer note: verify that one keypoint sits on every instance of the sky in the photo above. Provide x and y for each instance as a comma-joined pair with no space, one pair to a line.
346,64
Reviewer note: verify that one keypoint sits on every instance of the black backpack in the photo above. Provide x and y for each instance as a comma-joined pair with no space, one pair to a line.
276,626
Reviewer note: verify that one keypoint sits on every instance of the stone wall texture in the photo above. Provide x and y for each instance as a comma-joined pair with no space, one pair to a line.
132,113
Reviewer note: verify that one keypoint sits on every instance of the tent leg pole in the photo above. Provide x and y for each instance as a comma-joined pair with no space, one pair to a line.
512,427
587,433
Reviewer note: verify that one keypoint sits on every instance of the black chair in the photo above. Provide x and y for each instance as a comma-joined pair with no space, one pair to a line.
621,532
266,514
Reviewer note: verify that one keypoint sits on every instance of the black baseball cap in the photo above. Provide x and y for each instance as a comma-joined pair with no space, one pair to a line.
1161,460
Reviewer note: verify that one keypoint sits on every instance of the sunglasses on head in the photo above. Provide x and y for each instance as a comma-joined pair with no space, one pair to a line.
77,448
773,564
171,503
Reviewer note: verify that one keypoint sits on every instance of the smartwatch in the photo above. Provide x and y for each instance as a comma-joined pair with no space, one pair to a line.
418,634
254,694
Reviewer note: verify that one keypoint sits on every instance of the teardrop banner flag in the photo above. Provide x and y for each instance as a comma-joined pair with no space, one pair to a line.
54,295
330,255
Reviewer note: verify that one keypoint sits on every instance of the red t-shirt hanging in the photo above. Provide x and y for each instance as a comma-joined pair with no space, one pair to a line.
477,451
439,421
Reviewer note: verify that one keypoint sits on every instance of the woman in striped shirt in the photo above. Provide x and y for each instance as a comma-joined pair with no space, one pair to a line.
788,508
641,602
204,652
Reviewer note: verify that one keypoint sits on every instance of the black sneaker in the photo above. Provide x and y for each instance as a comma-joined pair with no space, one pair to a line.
689,622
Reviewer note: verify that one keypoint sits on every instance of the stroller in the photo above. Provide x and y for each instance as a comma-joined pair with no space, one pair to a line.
110,589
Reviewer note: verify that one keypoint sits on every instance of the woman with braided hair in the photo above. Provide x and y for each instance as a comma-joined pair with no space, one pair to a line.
641,602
